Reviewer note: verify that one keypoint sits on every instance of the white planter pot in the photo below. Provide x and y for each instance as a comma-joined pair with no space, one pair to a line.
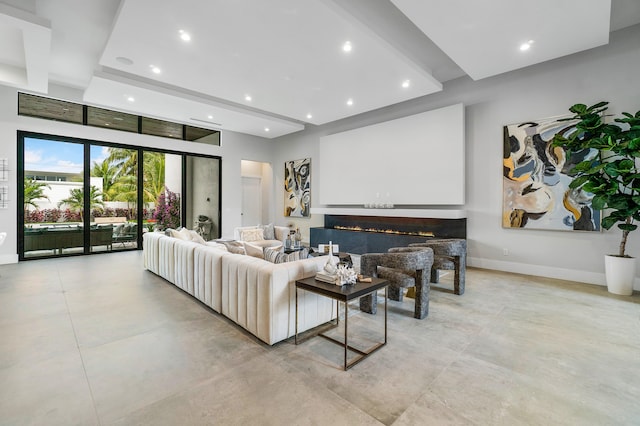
620,273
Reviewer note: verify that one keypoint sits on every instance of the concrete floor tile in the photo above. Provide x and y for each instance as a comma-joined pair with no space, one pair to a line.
260,391
51,392
36,340
130,373
94,338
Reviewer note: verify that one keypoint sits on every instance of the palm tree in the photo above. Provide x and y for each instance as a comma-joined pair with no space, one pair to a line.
75,200
125,161
122,167
154,176
107,172
34,190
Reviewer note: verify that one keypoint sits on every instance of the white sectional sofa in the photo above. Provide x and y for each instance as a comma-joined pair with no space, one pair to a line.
254,293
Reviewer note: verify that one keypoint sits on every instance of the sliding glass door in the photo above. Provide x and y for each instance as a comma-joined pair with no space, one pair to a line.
53,197
82,197
114,222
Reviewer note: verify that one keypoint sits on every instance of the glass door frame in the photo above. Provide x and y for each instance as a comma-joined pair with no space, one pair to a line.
87,143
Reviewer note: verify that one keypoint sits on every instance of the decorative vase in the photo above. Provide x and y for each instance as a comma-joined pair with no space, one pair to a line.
620,273
331,266
297,238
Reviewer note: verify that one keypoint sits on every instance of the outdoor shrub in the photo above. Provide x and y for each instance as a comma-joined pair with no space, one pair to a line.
167,212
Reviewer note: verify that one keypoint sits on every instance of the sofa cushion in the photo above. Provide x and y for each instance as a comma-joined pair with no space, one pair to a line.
281,232
266,243
269,232
236,247
253,250
252,235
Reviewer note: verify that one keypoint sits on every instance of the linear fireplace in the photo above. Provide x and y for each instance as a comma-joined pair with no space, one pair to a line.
375,234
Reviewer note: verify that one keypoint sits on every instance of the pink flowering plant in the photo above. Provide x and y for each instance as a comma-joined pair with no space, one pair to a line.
167,212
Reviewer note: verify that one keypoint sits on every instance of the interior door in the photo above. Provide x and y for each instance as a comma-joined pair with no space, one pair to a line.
251,201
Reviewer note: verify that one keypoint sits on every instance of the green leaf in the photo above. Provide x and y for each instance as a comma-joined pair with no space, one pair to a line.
578,109
578,182
619,202
598,202
598,105
582,166
627,226
608,222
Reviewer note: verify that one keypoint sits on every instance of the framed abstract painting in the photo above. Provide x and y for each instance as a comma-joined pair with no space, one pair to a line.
297,188
536,193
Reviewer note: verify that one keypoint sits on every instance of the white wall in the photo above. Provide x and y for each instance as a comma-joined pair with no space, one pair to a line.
232,150
264,171
545,90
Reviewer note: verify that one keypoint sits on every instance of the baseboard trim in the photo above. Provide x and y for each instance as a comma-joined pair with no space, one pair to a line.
541,271
6,259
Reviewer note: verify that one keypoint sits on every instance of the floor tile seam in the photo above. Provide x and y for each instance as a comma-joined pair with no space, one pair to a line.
462,352
182,391
439,399
187,386
75,336
306,376
154,327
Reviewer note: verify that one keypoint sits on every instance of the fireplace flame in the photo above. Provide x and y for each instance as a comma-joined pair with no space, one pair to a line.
384,231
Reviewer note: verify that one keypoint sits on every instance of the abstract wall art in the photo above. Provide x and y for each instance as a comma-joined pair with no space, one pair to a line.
536,193
297,188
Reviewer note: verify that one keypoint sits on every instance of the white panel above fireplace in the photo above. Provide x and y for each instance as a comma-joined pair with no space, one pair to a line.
415,160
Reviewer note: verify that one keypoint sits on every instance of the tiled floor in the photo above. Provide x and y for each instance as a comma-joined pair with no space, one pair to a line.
99,340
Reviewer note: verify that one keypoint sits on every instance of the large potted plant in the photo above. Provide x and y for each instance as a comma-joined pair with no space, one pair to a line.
612,176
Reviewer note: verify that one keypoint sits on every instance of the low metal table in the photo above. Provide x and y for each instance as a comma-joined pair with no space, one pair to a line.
344,294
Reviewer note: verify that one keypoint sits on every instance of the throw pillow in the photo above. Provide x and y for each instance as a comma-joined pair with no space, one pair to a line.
256,234
196,238
276,256
252,250
269,232
271,254
186,234
179,235
298,255
236,247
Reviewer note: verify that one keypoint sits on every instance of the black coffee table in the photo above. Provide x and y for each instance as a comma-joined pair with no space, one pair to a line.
344,294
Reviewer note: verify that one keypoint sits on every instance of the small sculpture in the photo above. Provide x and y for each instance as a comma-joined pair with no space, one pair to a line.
346,275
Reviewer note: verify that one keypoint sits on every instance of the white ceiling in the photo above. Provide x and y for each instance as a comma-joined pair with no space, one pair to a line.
286,54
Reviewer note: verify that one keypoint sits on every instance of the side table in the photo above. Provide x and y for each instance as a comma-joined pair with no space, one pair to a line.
344,294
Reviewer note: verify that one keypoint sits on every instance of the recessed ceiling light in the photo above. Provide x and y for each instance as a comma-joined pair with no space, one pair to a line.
124,61
210,117
349,101
266,129
185,36
247,98
526,46
106,124
131,99
155,69
309,116
406,83
347,46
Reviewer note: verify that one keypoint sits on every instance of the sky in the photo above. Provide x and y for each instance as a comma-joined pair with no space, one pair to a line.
55,156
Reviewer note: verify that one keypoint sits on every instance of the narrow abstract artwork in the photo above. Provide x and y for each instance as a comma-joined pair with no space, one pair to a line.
297,188
536,193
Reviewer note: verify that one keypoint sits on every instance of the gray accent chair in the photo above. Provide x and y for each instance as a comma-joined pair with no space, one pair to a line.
449,253
402,267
